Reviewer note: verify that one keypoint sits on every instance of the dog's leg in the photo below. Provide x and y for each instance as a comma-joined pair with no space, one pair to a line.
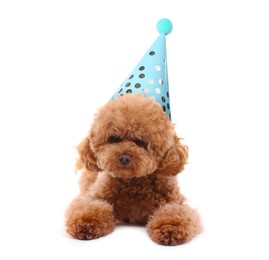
89,219
87,178
174,224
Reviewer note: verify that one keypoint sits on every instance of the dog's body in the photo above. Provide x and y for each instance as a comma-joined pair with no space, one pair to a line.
135,199
130,160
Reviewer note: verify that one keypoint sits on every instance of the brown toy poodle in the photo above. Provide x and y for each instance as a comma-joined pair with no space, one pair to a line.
129,163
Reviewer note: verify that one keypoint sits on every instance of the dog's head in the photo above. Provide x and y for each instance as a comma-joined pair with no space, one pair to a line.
131,137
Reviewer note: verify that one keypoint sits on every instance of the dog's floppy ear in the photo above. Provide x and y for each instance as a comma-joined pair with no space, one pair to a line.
86,158
174,160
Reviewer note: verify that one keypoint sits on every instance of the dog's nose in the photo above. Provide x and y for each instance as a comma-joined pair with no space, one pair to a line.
125,159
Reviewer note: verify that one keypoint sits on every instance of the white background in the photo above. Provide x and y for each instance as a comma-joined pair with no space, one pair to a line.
60,60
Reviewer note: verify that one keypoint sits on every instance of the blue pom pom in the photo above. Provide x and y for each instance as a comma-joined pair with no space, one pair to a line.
164,26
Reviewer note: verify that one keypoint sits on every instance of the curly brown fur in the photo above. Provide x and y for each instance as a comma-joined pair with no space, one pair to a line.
89,221
129,161
174,224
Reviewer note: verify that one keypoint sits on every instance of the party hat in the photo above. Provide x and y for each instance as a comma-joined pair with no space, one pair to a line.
150,77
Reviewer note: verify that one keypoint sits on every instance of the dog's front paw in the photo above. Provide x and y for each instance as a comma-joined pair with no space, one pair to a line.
85,230
174,224
90,221
167,235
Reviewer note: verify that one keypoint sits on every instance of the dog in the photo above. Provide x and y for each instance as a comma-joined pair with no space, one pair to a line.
129,162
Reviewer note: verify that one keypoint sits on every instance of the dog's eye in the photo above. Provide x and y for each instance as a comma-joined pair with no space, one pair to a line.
141,143
114,139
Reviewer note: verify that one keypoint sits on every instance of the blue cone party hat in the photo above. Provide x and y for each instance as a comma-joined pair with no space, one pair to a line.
150,77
